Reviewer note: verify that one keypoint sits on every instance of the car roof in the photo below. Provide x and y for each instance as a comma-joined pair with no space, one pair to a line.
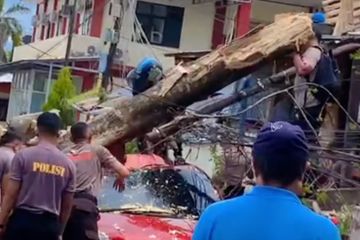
138,161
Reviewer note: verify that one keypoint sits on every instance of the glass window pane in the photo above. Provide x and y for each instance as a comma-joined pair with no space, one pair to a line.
23,81
159,10
37,102
143,7
40,82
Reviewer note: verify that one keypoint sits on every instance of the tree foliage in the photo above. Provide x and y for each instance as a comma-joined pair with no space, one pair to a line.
10,26
62,90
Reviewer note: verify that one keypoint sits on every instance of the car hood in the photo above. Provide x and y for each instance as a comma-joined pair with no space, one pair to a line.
122,226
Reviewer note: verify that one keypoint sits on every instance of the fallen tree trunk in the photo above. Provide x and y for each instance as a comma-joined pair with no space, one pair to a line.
182,121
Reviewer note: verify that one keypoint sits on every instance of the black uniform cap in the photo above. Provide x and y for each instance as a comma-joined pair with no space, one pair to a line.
49,122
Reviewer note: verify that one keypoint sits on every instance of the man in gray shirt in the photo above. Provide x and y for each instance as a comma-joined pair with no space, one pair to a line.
90,161
38,198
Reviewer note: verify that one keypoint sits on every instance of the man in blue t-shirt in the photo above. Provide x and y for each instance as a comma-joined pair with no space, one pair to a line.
272,210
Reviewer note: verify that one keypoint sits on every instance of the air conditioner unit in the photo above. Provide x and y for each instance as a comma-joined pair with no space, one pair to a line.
80,7
89,4
156,37
65,10
39,17
35,21
53,17
45,19
116,9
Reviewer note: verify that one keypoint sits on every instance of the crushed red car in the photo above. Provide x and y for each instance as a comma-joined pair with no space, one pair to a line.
158,202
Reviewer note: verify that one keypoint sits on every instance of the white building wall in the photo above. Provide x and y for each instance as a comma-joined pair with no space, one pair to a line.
264,12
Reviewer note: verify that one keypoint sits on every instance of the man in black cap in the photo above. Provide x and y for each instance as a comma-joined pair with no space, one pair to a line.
272,210
39,195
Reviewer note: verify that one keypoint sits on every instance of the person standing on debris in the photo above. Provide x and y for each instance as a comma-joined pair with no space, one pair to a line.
39,194
316,70
90,161
305,63
10,143
236,166
146,74
272,210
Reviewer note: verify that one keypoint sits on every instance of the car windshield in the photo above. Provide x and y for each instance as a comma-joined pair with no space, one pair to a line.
162,191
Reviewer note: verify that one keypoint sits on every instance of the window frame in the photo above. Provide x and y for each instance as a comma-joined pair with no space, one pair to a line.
152,17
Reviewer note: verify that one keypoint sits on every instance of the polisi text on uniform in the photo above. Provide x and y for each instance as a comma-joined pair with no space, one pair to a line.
48,169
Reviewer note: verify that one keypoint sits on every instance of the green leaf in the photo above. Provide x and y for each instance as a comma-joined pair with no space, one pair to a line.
16,39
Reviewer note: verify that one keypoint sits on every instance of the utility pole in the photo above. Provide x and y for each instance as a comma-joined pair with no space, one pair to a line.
71,31
107,76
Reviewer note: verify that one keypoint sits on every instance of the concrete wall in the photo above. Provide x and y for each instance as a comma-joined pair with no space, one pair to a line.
199,155
264,12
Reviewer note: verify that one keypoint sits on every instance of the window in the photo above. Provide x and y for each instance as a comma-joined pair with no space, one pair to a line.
63,25
42,33
46,4
56,3
38,94
48,30
162,24
86,25
58,25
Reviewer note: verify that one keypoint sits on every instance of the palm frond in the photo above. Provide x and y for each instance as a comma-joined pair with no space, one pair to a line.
17,39
12,25
16,8
2,2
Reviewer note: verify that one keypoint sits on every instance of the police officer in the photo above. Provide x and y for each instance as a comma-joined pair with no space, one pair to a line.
90,161
39,194
10,143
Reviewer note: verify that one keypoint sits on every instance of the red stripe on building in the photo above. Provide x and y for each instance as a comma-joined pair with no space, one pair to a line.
84,156
218,37
77,23
97,18
46,4
56,2
34,34
243,19
53,26
42,33
5,87
63,30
